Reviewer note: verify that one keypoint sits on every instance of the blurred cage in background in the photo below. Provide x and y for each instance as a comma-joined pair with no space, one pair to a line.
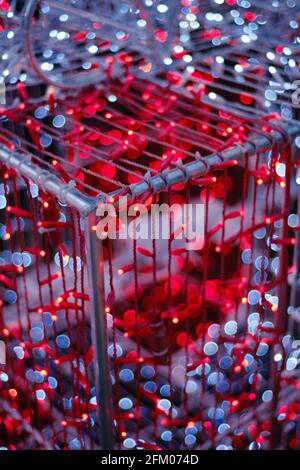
145,343
75,44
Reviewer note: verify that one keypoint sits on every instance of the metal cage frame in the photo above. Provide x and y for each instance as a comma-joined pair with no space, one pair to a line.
86,206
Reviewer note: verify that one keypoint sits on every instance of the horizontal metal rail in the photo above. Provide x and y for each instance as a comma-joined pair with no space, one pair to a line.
199,167
86,204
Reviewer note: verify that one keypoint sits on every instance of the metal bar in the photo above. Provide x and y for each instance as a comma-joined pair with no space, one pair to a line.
99,335
294,326
198,168
48,181
86,205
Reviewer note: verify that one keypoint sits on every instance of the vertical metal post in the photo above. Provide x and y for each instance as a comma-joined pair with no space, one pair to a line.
294,327
99,334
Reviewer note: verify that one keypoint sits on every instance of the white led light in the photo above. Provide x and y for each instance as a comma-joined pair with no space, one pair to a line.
162,8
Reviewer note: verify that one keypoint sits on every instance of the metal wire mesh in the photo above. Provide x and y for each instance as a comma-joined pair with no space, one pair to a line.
48,377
